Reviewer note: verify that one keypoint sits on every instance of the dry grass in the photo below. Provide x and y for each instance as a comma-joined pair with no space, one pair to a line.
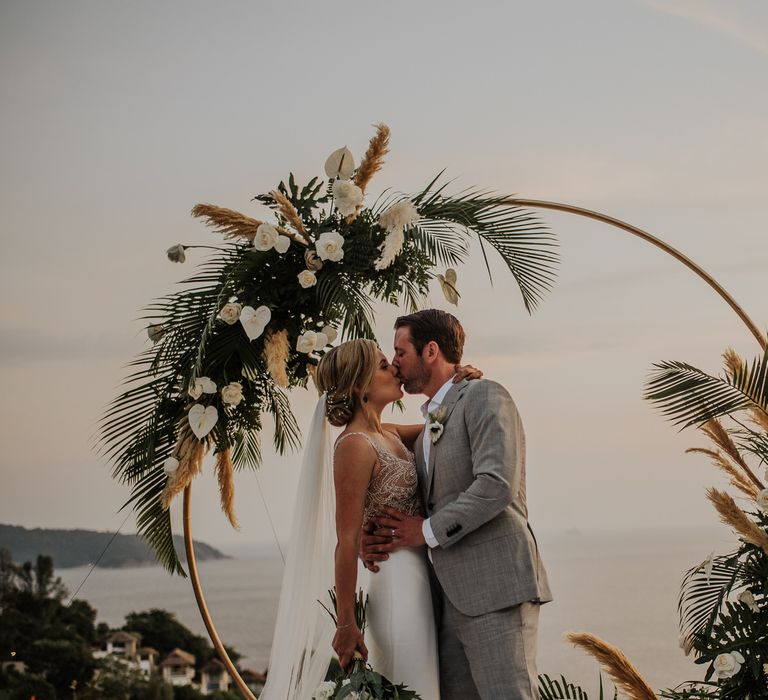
225,475
190,452
234,225
373,160
276,351
721,461
715,431
615,664
289,212
734,516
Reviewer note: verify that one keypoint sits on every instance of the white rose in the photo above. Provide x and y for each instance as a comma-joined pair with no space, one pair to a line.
330,333
728,665
254,321
748,599
762,501
307,342
765,669
202,385
347,196
176,253
399,216
282,244
232,393
330,246
312,259
340,164
230,312
324,691
266,237
435,430
307,279
170,466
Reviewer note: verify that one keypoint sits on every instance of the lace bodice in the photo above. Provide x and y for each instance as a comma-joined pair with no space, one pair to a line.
395,484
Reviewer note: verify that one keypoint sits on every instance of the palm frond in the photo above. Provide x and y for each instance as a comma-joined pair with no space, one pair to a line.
522,240
702,595
562,689
690,396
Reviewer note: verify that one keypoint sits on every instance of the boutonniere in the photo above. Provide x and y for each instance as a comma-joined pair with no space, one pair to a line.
436,424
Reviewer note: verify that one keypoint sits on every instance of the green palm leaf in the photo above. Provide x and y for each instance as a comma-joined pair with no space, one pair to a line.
550,689
703,594
690,396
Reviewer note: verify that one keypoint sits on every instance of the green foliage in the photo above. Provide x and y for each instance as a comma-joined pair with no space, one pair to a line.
723,604
550,689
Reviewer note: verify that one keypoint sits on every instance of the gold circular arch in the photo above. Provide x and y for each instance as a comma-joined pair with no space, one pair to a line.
532,203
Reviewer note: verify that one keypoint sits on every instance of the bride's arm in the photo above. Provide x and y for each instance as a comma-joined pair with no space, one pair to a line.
352,469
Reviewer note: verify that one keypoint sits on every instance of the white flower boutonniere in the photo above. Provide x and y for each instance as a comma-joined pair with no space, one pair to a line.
436,424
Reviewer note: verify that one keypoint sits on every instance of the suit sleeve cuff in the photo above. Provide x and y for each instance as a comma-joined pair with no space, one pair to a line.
429,536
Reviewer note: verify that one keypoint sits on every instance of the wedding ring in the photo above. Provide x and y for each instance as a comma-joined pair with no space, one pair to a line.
393,533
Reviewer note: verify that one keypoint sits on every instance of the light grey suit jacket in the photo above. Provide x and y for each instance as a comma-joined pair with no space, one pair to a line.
474,495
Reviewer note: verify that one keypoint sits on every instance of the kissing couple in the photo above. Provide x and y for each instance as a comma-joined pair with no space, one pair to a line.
435,511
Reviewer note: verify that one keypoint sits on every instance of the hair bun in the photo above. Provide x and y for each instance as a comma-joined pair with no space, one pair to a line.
339,409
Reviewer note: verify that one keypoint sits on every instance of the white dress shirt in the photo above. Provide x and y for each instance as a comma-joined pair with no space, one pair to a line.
428,407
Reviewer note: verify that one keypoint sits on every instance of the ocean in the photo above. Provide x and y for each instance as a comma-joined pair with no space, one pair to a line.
621,586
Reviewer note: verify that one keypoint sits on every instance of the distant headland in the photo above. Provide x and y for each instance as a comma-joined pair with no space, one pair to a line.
70,548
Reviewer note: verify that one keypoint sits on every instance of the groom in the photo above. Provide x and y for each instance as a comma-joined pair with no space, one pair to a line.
470,459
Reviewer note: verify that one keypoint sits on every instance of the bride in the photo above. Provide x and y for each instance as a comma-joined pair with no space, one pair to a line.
342,486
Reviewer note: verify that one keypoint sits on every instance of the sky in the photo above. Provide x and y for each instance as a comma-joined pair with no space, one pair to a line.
116,118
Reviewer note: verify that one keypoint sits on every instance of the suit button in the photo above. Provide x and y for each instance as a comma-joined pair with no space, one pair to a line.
430,506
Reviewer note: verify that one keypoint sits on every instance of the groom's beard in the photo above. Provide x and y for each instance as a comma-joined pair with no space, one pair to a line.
415,384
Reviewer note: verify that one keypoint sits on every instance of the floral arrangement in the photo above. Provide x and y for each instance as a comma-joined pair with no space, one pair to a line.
360,681
723,602
259,313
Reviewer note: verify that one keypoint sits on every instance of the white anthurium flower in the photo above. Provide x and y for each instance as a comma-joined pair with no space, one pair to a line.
748,599
232,394
330,246
230,312
307,279
266,237
156,331
321,340
347,197
254,321
340,164
399,216
282,244
330,332
170,466
307,342
176,253
448,285
727,665
762,501
202,419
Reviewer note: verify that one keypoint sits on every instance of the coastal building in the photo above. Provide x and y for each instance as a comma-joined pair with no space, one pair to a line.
213,677
146,659
178,668
120,643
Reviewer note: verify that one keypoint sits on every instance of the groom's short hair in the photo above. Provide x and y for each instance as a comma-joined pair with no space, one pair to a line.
437,325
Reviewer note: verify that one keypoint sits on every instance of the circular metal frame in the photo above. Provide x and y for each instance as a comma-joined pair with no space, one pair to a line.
534,203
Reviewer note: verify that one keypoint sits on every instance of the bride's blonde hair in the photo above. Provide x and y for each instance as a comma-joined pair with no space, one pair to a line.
342,370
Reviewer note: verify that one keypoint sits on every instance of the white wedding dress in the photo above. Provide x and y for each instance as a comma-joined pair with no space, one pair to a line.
401,636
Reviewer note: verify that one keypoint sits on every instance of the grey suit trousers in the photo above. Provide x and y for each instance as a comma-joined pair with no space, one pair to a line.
490,656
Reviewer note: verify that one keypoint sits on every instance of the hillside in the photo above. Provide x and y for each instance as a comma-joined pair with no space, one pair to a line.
82,547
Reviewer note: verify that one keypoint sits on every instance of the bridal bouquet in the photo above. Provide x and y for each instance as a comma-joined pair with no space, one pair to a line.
360,681
259,313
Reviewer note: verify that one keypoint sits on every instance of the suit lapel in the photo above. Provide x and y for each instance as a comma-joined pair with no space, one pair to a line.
420,470
449,403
